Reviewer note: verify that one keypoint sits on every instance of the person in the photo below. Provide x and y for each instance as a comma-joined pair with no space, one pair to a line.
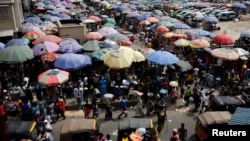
42,136
87,110
150,107
197,100
108,137
108,114
101,137
124,108
60,108
182,131
125,137
48,134
103,85
187,94
175,136
161,116
139,108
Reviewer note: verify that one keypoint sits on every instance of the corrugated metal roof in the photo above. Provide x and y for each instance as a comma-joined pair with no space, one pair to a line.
240,117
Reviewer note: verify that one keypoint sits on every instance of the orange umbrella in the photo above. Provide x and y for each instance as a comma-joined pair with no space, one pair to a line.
180,35
152,20
95,18
94,36
168,35
199,43
50,38
50,57
162,29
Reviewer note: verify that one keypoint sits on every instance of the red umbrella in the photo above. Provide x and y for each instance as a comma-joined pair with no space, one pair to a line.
95,18
223,39
162,29
94,36
152,20
53,77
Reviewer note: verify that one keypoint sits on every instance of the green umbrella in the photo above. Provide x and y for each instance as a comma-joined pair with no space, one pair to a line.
165,23
16,54
109,25
98,54
109,20
91,45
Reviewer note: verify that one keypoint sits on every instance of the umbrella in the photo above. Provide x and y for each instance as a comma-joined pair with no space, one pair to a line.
199,43
223,39
33,20
105,31
53,77
182,43
50,57
2,46
50,38
132,14
165,23
108,25
152,20
95,18
94,36
119,59
181,26
40,4
71,61
210,20
117,37
180,36
241,51
142,17
51,19
63,16
32,35
69,45
105,44
174,83
145,22
98,54
202,32
16,54
139,57
49,27
147,51
88,21
168,35
245,34
184,65
192,35
162,29
124,43
108,96
91,45
45,47
16,42
225,54
239,6
162,58
110,20
163,91
27,27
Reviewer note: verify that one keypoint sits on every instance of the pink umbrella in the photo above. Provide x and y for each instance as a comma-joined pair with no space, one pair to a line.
45,47
95,18
152,20
199,43
94,36
147,51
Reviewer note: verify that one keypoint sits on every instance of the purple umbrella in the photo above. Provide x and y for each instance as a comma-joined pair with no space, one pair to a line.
16,42
33,20
2,46
69,45
132,14
63,16
51,19
45,47
192,35
105,31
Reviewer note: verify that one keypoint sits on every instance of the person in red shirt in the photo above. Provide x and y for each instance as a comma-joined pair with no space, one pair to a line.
60,108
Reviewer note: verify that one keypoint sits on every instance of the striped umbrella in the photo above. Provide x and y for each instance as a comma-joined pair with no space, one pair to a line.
53,77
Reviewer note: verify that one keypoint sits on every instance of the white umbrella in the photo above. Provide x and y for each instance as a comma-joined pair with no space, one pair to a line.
174,83
241,51
184,65
108,96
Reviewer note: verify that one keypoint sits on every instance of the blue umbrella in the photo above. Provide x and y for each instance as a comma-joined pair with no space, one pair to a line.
182,26
63,16
16,42
113,6
33,20
210,20
119,9
71,61
153,27
162,58
50,7
51,19
69,45
40,4
239,6
2,46
202,32
142,17
245,34
163,91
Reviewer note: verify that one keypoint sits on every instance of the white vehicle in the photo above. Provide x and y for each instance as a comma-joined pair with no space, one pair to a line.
226,15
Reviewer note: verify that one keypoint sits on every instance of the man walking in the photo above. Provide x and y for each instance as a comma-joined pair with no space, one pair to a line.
182,132
124,108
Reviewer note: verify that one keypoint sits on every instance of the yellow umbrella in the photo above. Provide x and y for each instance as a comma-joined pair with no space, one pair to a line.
127,48
138,56
168,35
182,43
118,59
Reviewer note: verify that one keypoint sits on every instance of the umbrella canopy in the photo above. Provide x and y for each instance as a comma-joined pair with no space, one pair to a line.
105,31
69,45
50,57
108,25
117,37
119,59
161,29
202,32
139,57
192,35
168,35
50,38
98,54
145,22
94,36
184,65
223,39
152,20
241,51
108,96
245,34
2,46
199,43
71,61
17,42
95,18
142,17
132,14
53,77
91,45
225,54
174,83
45,47
105,44
110,20
27,27
239,6
33,20
165,23
182,43
32,35
210,20
162,58
181,26
88,21
163,91
147,51
16,54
